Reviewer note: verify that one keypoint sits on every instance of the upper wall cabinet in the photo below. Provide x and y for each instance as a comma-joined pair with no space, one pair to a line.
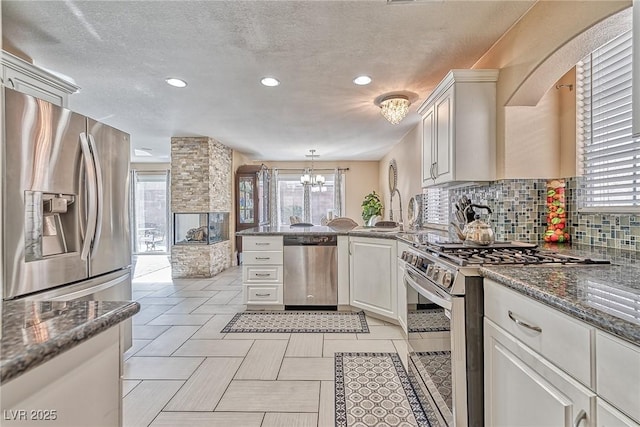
27,78
459,129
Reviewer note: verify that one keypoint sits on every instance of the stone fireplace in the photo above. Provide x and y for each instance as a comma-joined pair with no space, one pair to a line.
201,177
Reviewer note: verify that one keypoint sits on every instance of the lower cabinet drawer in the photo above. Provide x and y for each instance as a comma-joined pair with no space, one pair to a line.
608,416
556,336
255,294
618,373
262,274
262,258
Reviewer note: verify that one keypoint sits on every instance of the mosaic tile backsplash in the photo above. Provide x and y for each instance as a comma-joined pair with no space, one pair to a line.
518,207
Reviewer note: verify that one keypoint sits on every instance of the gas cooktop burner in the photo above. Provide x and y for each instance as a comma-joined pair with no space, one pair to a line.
500,253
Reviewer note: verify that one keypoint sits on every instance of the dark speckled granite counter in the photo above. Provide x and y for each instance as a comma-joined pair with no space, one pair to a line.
287,230
605,296
594,294
36,331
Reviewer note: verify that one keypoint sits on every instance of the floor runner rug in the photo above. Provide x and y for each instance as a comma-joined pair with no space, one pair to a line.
373,389
298,321
432,320
438,366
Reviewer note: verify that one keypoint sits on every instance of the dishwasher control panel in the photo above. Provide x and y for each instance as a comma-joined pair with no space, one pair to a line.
311,240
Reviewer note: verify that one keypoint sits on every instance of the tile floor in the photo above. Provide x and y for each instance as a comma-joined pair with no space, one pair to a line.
181,371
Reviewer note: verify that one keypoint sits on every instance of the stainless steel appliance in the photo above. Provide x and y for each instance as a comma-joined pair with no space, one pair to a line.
310,271
446,367
66,203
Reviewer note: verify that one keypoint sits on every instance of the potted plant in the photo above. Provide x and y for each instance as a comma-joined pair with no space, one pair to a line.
371,206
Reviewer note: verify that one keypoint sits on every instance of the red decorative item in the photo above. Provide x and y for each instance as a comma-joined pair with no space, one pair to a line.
557,229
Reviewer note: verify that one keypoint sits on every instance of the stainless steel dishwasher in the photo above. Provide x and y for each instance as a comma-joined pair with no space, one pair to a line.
311,270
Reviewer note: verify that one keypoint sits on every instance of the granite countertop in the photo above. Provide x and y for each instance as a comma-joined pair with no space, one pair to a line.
605,296
594,294
34,332
287,230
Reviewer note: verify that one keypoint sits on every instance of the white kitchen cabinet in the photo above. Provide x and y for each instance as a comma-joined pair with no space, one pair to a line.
402,297
79,387
24,77
561,339
373,282
343,271
541,365
402,287
428,145
262,271
618,373
459,129
524,389
608,416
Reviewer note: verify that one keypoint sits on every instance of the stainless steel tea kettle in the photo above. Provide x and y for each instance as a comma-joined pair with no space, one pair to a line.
477,232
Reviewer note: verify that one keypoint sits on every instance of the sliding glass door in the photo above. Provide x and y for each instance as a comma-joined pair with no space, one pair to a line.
150,226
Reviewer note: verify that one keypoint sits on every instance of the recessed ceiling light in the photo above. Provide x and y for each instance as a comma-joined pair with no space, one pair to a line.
270,81
176,82
362,80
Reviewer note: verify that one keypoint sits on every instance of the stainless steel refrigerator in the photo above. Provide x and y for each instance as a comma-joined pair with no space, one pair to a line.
66,204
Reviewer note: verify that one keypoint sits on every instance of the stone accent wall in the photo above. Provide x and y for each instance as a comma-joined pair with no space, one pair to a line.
201,179
201,175
200,260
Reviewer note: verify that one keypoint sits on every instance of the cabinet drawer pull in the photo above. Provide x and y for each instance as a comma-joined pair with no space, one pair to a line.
263,258
262,244
582,415
524,324
263,274
263,295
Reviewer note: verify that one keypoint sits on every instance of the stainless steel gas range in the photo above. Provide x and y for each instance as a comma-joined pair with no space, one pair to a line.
444,319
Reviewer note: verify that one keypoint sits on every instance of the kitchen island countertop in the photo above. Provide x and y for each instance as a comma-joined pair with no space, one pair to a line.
34,332
287,230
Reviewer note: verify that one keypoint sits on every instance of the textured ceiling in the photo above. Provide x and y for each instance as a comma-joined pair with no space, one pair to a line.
119,53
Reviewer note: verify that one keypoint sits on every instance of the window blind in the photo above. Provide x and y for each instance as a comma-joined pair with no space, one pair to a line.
436,206
608,156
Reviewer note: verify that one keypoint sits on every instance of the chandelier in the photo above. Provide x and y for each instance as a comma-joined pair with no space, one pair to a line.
308,178
394,108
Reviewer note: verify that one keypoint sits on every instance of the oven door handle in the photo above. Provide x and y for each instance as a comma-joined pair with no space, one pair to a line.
429,291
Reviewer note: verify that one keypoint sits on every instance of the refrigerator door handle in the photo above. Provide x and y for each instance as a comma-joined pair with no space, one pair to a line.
91,196
82,207
100,195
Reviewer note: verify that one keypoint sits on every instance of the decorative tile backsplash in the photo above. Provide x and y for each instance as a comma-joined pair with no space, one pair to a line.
620,231
518,207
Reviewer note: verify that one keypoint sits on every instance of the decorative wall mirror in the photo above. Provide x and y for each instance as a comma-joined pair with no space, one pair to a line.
393,176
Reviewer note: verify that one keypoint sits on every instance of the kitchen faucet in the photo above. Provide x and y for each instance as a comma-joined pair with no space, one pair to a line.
395,190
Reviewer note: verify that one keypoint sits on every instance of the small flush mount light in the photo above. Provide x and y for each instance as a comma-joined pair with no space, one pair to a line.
270,81
172,81
362,80
394,108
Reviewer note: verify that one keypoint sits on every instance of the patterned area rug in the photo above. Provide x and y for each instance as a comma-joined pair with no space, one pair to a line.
432,320
372,389
438,366
298,321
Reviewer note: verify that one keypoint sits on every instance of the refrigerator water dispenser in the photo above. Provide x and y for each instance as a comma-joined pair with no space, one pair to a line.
50,218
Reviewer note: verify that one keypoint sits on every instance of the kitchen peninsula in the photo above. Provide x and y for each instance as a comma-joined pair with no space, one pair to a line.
61,362
364,267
